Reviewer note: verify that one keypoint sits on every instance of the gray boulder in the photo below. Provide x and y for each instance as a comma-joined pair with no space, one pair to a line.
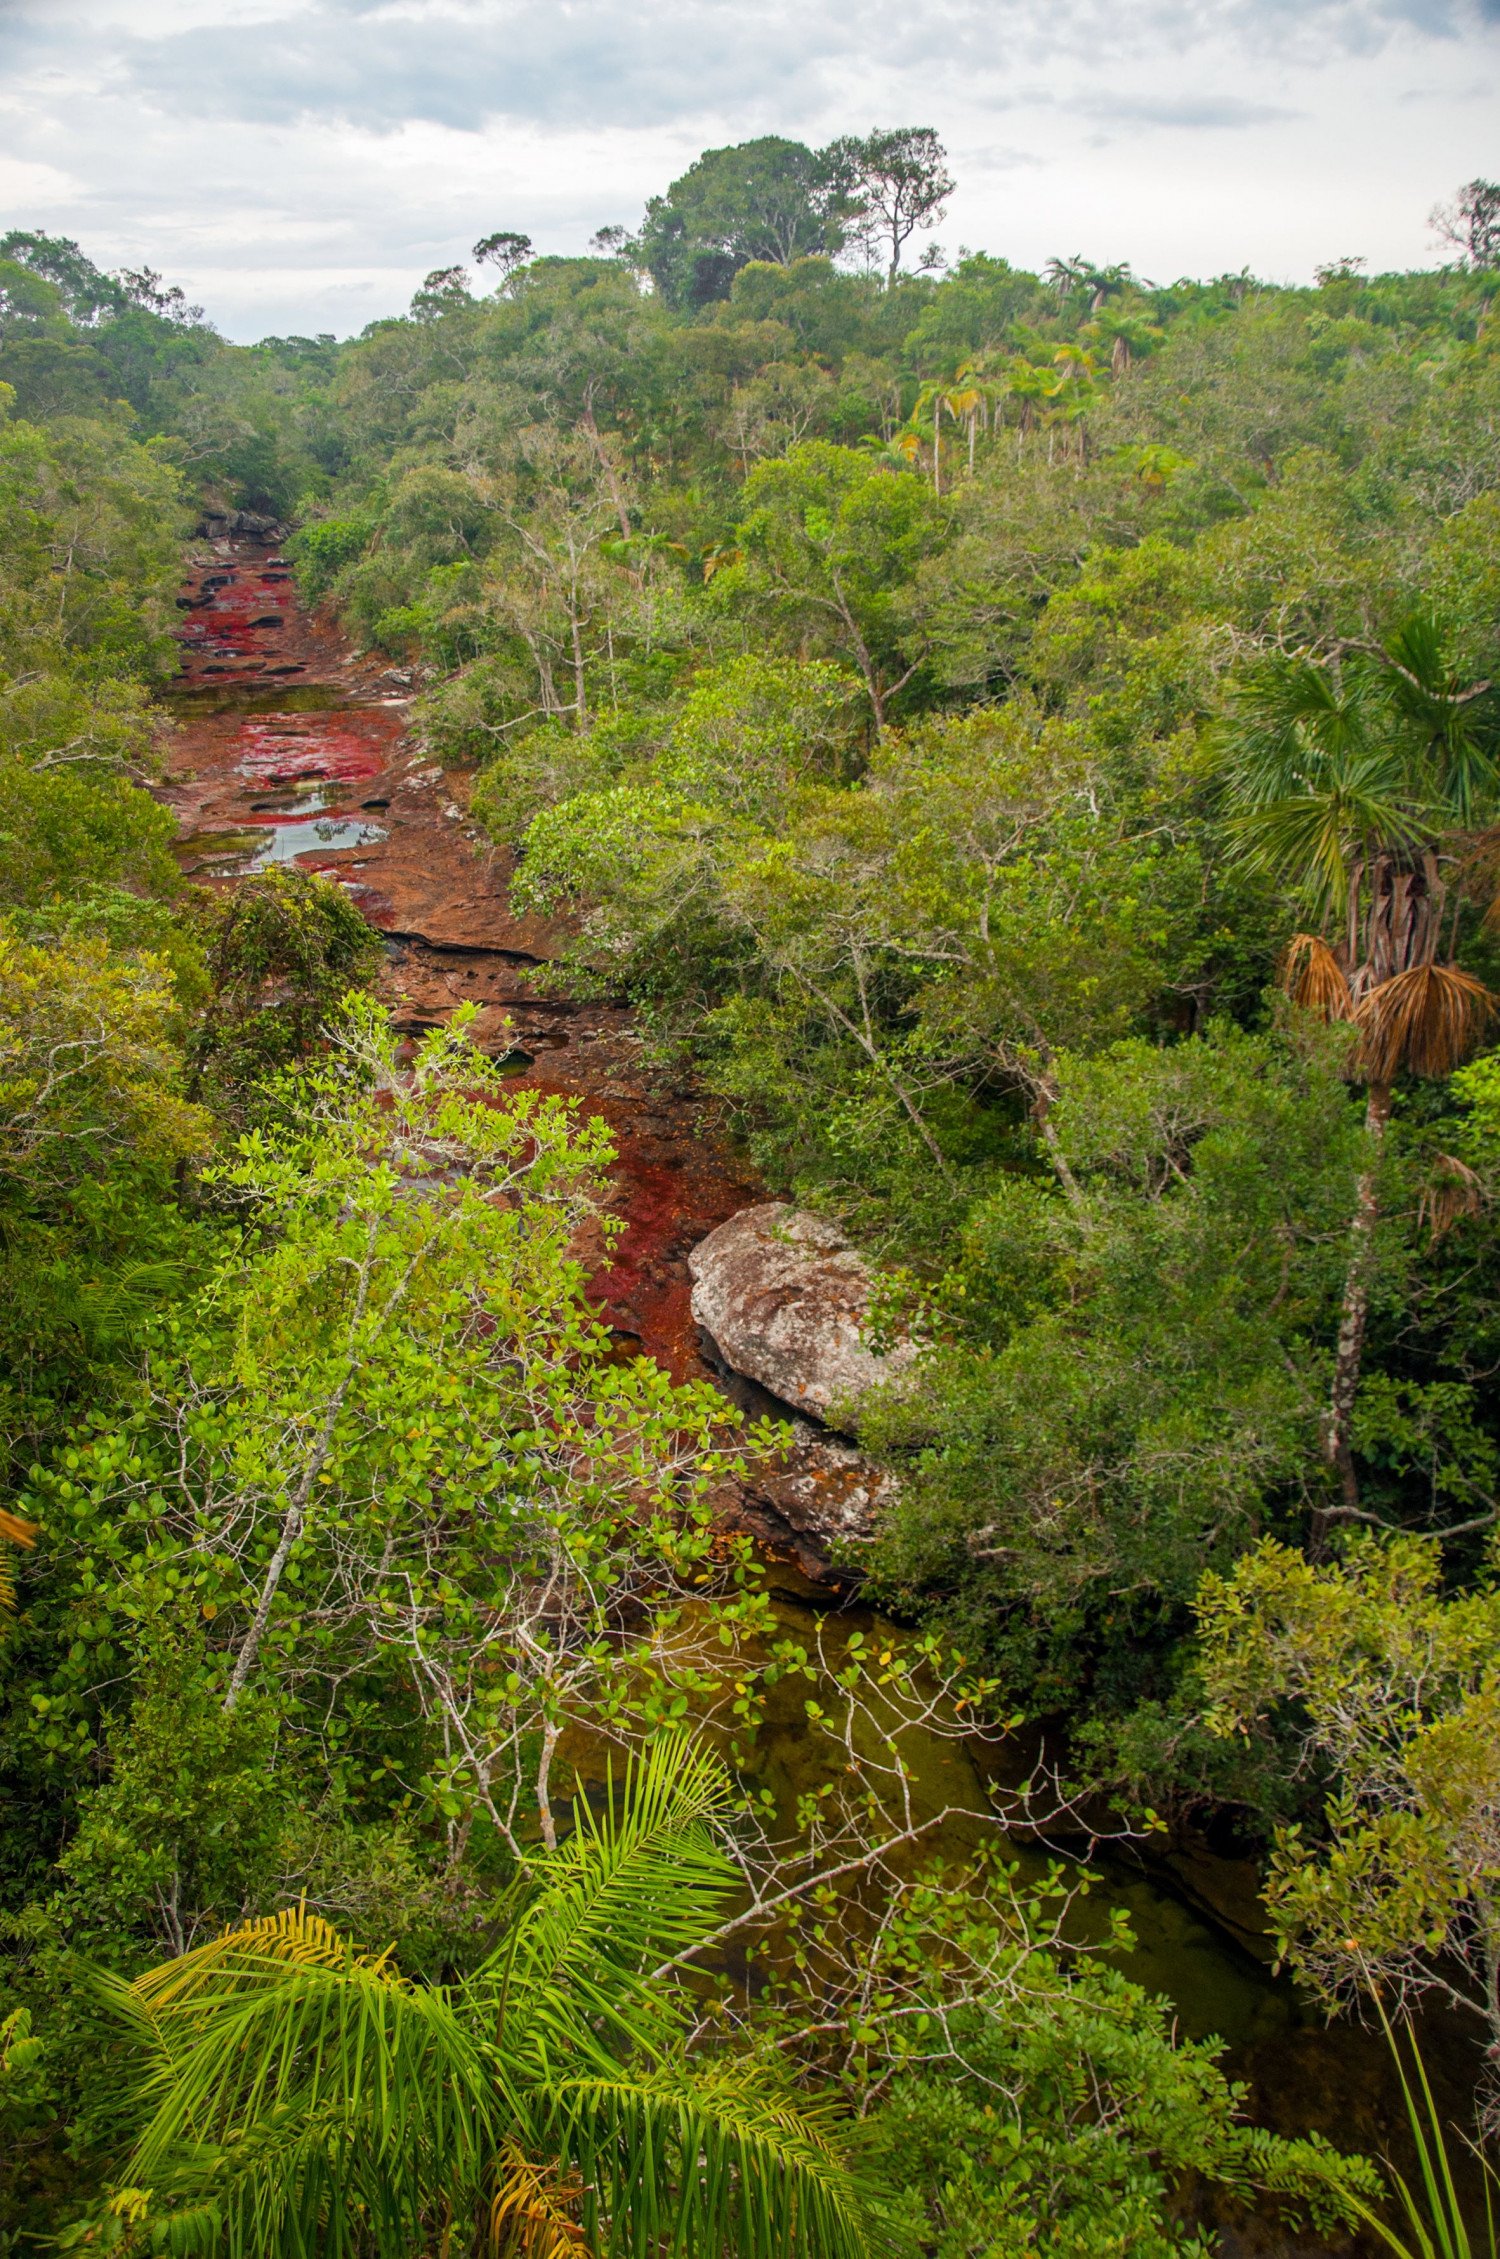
785,1298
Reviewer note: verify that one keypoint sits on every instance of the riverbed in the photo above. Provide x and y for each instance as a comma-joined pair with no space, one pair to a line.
287,747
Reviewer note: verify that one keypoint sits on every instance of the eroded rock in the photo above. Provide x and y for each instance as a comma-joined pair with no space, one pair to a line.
816,1500
786,1300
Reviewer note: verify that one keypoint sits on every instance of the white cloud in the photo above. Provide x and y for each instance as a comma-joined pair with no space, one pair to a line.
299,164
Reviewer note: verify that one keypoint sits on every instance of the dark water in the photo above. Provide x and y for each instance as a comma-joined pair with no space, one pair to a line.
1199,1941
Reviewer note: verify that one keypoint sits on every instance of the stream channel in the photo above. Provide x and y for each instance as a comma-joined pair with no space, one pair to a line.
288,747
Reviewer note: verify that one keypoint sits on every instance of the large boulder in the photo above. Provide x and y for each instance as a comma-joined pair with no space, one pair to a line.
786,1300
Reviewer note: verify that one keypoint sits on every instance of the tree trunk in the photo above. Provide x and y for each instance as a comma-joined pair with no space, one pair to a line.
550,1735
1339,1418
1041,1114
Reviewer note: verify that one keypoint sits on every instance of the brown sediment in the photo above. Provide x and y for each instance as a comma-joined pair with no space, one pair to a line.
288,744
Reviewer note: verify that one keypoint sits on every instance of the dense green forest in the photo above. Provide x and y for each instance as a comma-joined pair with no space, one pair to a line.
1028,745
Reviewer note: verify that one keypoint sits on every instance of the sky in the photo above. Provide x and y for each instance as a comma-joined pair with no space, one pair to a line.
299,165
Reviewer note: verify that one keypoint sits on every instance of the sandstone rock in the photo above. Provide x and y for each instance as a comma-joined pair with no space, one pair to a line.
785,1299
814,1500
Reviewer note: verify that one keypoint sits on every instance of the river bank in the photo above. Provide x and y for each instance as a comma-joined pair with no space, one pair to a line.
289,747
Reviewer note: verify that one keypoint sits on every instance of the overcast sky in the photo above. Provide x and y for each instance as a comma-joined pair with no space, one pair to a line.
300,164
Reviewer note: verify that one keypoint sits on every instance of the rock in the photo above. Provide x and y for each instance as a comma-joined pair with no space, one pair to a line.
827,1496
785,1298
815,1500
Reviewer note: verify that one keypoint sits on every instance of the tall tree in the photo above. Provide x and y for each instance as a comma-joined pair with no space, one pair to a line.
768,199
1470,222
900,180
1354,778
504,249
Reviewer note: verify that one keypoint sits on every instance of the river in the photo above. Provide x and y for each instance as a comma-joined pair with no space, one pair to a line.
288,747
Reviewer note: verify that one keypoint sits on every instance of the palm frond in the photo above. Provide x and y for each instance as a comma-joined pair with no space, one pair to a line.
1426,1020
634,1885
1452,1190
1292,725
718,2160
1446,713
289,1939
287,2073
1322,772
1314,979
535,2209
1315,836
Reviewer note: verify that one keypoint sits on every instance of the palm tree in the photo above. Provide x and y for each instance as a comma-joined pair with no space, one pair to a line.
304,2100
1028,385
963,397
1079,277
1127,333
968,400
1357,779
1074,389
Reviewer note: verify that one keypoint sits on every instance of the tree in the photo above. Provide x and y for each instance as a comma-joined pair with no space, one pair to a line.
898,180
403,1456
1391,1687
1079,278
284,949
444,291
1352,779
167,300
300,2096
1128,334
562,583
769,199
93,1130
828,545
1114,1396
504,249
1470,222
87,292
1068,2117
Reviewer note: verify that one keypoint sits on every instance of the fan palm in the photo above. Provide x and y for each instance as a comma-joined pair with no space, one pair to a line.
1354,781
303,2100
